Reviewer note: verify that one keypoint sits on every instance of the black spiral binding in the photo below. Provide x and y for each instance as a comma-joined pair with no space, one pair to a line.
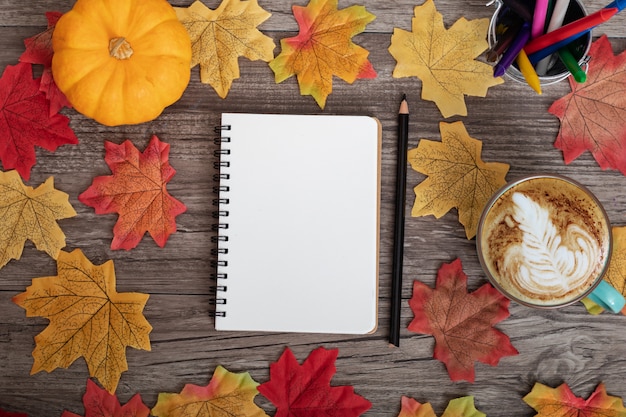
220,213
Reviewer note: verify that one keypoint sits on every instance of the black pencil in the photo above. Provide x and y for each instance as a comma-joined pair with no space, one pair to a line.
398,242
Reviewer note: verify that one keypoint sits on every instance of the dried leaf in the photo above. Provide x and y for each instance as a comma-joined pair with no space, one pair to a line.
324,48
616,272
444,59
228,394
39,51
88,318
458,407
593,115
26,122
31,214
304,390
561,402
137,192
457,177
461,322
219,37
99,403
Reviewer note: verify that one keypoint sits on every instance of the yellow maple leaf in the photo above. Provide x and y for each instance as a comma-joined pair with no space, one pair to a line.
31,214
88,318
616,272
228,394
324,48
219,37
444,59
457,177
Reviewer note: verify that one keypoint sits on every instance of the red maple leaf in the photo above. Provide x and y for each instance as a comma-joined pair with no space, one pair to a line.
462,323
137,192
26,122
593,115
39,47
57,99
304,390
8,414
99,403
39,51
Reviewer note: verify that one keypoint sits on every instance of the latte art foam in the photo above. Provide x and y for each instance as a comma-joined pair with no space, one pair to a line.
547,262
544,241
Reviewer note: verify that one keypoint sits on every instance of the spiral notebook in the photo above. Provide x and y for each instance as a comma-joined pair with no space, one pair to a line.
299,223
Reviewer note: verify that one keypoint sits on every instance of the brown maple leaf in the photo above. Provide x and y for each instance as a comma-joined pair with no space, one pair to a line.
461,322
219,37
593,115
137,192
444,59
88,318
31,214
457,177
324,48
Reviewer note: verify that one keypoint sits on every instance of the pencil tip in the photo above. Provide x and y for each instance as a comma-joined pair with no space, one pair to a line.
404,106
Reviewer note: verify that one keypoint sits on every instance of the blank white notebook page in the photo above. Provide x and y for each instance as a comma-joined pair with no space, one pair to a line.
301,205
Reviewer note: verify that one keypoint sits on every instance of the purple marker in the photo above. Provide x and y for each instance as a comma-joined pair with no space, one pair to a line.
512,51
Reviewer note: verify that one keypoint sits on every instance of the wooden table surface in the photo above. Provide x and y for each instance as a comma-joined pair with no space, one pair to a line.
567,345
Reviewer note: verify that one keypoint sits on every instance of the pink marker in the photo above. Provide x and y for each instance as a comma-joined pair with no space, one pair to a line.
539,18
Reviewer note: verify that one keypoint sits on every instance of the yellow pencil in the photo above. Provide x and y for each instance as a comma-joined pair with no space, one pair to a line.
528,71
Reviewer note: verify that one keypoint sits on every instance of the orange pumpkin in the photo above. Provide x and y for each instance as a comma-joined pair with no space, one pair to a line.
121,61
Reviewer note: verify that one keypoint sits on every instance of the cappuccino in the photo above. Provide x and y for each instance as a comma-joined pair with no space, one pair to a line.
544,241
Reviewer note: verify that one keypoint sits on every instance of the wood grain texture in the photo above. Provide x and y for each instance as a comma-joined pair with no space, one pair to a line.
512,122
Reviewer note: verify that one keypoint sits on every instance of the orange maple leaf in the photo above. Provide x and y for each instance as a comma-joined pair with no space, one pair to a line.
88,318
324,48
228,394
444,59
137,191
463,406
461,322
560,401
457,176
219,37
31,214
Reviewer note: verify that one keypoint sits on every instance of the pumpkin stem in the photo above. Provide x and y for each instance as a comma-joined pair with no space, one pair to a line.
120,48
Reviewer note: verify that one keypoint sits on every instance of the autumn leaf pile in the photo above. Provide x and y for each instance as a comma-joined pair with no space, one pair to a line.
295,391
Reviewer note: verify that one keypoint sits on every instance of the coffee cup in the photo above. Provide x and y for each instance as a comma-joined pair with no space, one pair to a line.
545,241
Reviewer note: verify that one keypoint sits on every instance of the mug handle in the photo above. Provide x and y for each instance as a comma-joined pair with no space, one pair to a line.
607,297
